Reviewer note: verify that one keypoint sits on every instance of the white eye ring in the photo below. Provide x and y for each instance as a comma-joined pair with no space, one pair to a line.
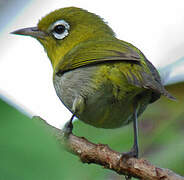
59,29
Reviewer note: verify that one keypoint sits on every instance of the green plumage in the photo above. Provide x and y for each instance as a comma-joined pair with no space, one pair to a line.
98,77
102,80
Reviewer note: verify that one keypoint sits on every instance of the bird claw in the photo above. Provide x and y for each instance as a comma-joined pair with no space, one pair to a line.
68,127
67,130
131,154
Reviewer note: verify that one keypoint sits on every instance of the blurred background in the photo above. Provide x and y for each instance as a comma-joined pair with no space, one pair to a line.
27,149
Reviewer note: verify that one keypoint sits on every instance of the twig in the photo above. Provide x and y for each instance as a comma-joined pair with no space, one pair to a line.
102,155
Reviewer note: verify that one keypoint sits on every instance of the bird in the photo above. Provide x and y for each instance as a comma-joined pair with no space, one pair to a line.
102,80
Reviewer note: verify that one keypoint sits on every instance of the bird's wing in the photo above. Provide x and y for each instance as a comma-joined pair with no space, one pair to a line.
93,52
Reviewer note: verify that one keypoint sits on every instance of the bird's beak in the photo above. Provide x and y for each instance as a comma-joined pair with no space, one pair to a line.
31,31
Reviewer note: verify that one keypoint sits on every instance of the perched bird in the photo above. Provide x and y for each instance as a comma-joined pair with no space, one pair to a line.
103,81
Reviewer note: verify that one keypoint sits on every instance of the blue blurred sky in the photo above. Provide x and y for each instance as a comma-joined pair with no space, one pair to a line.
156,27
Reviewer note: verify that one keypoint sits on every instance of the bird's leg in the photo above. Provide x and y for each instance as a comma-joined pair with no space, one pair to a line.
135,150
77,108
135,124
68,127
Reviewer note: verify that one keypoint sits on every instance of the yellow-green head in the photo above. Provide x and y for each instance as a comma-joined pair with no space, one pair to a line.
64,28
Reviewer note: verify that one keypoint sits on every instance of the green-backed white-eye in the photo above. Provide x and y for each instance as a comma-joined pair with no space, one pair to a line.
103,81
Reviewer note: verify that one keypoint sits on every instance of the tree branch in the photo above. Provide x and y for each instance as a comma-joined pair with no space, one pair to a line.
102,155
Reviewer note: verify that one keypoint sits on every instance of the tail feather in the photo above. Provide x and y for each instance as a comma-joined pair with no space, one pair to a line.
168,95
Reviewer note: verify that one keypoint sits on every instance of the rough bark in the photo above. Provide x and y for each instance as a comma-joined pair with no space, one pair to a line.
102,155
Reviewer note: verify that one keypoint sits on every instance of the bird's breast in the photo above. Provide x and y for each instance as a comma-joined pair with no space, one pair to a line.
100,95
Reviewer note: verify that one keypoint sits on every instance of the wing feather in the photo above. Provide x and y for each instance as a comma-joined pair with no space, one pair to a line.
106,51
91,52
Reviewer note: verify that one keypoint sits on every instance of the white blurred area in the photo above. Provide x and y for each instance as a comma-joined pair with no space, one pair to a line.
156,27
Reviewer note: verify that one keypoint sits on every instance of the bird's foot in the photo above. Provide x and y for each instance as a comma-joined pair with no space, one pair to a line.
133,153
68,127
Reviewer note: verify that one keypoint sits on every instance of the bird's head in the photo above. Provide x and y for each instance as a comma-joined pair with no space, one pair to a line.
64,28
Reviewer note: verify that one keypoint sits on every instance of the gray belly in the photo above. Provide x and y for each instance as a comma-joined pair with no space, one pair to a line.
91,104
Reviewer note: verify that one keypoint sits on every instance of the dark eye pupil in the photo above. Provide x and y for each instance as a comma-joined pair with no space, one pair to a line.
59,29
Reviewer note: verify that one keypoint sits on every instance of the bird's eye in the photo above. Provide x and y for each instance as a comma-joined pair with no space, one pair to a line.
60,29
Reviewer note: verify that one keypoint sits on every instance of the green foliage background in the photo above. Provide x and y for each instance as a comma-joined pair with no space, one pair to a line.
28,151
